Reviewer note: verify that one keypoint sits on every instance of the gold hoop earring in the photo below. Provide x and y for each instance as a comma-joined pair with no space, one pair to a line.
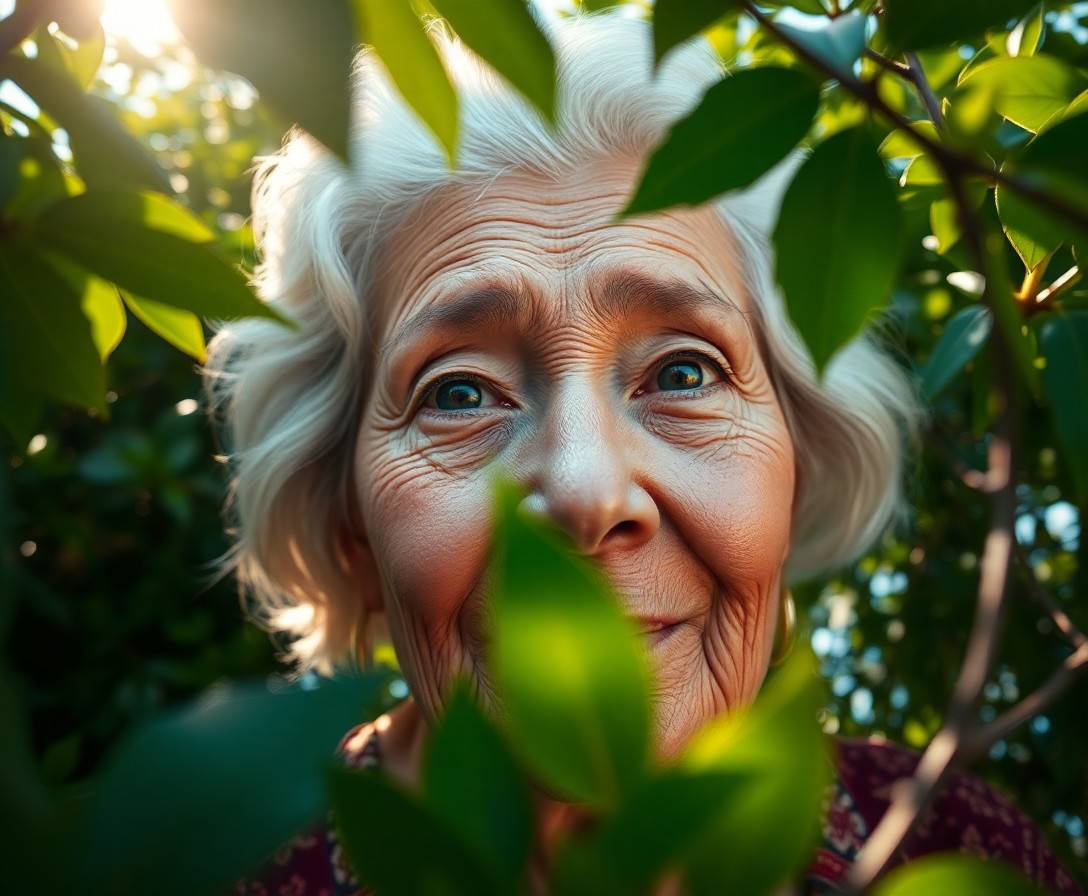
787,627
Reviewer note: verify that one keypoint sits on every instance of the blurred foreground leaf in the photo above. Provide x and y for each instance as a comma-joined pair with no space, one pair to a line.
1063,342
504,34
962,339
915,24
570,668
191,802
959,874
677,20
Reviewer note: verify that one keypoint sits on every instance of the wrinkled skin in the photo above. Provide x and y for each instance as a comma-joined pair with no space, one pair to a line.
613,371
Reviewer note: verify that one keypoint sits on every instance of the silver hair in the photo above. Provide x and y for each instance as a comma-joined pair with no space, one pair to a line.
290,400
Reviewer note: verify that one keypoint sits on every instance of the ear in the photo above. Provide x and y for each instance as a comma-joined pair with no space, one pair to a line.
359,564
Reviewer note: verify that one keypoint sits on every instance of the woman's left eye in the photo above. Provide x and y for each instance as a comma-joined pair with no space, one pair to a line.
684,373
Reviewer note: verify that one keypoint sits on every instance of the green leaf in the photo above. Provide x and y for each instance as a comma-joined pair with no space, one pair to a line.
922,172
838,44
299,63
961,340
944,215
1053,164
105,154
677,20
1063,341
182,329
382,829
838,241
149,246
778,747
949,873
504,34
743,126
227,780
397,36
102,307
900,145
569,667
1026,38
1028,90
914,24
81,62
48,348
474,785
30,179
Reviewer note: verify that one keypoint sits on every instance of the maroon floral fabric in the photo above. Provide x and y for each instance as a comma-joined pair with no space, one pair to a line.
969,816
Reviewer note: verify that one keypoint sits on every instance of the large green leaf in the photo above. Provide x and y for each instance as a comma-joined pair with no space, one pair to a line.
964,875
473,784
677,20
1063,342
568,667
297,56
149,246
105,154
779,749
210,791
912,24
397,846
1027,90
504,34
397,36
47,344
961,340
743,127
1052,163
838,241
182,329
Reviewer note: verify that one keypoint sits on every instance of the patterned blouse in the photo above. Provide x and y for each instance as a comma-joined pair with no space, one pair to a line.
969,816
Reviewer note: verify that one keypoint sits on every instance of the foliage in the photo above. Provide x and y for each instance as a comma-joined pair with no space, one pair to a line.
977,118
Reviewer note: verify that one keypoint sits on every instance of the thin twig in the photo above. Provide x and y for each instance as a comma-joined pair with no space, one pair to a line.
918,78
1067,280
978,744
1042,597
892,65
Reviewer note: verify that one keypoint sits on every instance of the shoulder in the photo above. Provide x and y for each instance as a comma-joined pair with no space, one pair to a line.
967,816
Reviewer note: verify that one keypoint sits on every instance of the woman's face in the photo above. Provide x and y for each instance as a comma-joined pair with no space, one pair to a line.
613,371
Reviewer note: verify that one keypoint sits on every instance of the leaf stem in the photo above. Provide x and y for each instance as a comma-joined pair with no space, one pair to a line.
1066,281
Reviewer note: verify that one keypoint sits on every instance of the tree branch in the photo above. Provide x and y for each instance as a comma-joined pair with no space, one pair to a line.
917,77
1042,597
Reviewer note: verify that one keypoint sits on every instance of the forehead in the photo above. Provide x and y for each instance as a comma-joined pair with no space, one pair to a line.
555,241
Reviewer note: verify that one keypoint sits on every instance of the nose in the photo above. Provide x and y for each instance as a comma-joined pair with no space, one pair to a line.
584,475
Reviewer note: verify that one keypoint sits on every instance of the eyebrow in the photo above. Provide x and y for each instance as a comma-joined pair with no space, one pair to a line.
496,306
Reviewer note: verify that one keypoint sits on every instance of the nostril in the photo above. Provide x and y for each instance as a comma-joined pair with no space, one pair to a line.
624,528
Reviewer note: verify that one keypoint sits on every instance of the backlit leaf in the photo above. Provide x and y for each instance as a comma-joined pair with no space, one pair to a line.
961,340
912,24
397,36
744,125
106,154
777,746
1063,342
300,64
504,34
568,665
967,875
1026,38
677,20
46,339
837,44
182,329
1028,90
473,783
838,241
228,779
944,215
149,247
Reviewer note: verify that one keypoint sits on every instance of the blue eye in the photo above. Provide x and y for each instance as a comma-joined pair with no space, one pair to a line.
680,375
458,395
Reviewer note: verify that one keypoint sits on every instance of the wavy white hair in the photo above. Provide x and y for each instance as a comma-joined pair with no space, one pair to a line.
290,400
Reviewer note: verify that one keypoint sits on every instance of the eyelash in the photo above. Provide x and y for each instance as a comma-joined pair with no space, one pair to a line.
431,386
687,355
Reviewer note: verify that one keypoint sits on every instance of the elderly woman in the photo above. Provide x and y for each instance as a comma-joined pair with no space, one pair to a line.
639,380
